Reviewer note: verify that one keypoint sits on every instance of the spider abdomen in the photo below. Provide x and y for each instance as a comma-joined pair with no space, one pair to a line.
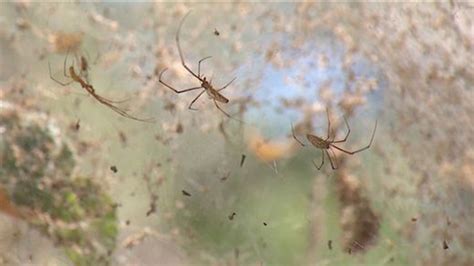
214,94
317,142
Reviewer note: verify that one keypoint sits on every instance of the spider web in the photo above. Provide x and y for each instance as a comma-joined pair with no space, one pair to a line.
178,183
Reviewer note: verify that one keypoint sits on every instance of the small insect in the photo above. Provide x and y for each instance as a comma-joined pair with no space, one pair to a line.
185,193
216,32
206,86
326,145
90,89
264,223
231,217
330,244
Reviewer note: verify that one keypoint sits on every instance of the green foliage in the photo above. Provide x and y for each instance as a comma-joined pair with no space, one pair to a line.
76,213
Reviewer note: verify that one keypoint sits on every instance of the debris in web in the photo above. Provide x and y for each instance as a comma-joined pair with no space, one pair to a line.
114,169
242,160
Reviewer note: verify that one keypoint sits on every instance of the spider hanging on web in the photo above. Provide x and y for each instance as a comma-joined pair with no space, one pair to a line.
326,145
82,78
206,85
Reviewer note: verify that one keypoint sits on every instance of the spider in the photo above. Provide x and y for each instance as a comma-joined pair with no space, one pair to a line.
90,89
206,86
325,145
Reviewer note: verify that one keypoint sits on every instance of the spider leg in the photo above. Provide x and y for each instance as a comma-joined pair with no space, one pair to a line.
322,161
190,107
348,132
118,101
361,149
57,81
199,64
109,100
226,85
329,124
330,160
336,163
294,136
120,111
181,56
105,101
91,90
129,116
76,58
225,113
173,89
65,63
218,107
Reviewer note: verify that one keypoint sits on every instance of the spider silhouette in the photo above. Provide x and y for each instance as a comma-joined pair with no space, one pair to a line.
326,145
206,86
78,78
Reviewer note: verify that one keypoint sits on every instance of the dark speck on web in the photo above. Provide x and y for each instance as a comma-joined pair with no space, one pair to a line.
114,169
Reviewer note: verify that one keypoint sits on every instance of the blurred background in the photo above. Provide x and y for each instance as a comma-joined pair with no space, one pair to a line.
82,185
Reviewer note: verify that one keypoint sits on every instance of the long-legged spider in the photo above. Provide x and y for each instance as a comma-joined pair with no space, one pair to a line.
90,89
325,145
206,86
